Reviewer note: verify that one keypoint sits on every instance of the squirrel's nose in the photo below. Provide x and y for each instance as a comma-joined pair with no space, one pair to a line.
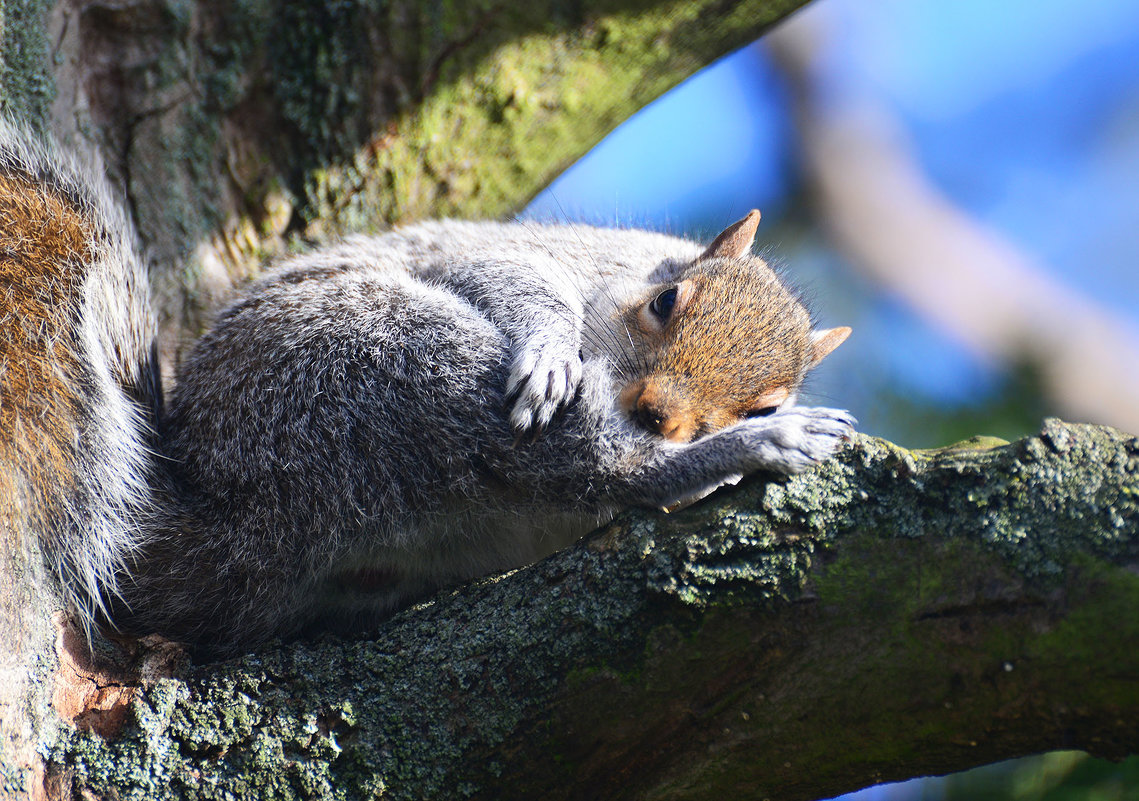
653,407
654,417
651,417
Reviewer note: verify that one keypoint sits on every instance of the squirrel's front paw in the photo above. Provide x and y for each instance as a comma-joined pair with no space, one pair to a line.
794,439
544,377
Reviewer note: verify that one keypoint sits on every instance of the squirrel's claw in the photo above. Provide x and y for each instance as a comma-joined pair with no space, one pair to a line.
544,378
794,439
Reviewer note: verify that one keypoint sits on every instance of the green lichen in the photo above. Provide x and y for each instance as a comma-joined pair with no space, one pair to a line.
1078,636
849,596
26,85
500,123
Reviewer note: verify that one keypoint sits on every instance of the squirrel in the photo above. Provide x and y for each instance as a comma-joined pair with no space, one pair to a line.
371,422
79,386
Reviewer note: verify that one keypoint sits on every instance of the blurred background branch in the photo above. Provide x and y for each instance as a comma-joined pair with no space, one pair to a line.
901,231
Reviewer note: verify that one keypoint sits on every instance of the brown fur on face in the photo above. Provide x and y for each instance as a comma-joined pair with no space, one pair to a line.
44,241
741,344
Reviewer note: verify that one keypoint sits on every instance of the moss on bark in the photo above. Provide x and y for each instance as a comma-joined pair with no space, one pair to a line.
887,614
890,613
26,86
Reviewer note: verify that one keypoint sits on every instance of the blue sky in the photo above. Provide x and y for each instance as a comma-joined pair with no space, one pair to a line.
1024,112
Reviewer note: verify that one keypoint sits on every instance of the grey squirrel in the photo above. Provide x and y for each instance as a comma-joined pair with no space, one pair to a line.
376,420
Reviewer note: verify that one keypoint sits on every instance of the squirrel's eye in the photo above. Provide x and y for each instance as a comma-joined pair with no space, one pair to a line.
662,304
764,412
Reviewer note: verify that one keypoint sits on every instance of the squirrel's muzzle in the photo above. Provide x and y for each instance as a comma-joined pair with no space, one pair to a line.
658,406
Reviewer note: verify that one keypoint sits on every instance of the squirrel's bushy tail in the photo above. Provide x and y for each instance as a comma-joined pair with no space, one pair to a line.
79,388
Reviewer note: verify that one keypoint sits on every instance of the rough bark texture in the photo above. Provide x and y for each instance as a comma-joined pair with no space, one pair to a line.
889,614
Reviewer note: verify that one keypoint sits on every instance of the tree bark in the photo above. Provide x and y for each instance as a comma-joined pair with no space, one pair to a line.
885,615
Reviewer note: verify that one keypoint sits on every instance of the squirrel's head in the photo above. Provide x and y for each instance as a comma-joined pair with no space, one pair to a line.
720,340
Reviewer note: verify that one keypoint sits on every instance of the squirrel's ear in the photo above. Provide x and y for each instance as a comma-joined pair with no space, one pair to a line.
823,342
735,240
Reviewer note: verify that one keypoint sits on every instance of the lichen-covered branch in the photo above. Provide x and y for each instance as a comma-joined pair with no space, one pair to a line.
889,614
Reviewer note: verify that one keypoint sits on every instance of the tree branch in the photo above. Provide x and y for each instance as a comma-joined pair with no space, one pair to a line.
889,614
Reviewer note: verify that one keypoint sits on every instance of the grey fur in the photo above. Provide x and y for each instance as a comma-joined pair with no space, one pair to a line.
346,438
367,424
